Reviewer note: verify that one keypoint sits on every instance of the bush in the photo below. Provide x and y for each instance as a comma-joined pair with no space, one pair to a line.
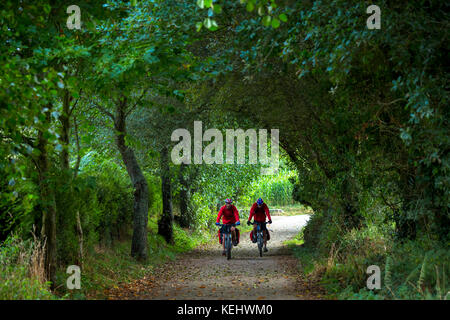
414,269
103,201
103,196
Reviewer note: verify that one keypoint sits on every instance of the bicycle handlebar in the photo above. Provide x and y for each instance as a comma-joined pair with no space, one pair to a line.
256,222
226,224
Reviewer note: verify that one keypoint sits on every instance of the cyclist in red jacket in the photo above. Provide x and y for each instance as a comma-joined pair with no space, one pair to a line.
258,212
229,215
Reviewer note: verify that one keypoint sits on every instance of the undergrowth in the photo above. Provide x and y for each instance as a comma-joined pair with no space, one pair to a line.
413,269
104,267
22,270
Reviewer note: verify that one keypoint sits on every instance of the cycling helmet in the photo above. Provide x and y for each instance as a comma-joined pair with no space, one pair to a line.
259,201
228,201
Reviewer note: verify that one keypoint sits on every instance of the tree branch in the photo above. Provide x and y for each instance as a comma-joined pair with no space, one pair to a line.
134,106
392,102
104,111
75,104
77,164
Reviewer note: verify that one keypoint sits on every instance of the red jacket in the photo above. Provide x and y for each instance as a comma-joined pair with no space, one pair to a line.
229,216
259,214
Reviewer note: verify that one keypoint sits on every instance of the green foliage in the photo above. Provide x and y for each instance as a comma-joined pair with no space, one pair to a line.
296,241
363,116
216,183
269,10
108,198
102,195
416,269
20,271
275,190
16,208
154,192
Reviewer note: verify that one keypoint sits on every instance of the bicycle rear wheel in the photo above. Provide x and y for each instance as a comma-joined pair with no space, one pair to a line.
228,246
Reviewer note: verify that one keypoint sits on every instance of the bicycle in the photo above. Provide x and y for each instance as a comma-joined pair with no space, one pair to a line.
259,235
226,238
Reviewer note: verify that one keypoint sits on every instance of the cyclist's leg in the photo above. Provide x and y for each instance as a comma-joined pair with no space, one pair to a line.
222,234
223,244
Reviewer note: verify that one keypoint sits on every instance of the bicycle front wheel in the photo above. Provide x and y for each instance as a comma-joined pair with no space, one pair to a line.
260,244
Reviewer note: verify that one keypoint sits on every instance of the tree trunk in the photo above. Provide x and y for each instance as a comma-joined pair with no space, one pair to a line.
140,219
64,158
165,224
64,118
405,227
48,206
80,240
185,212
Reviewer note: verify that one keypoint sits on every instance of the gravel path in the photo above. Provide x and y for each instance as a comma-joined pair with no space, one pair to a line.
205,274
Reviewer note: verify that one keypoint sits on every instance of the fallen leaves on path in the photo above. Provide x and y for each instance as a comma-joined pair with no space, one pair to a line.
205,274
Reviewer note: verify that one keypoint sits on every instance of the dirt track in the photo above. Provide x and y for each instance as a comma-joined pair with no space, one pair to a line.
205,274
